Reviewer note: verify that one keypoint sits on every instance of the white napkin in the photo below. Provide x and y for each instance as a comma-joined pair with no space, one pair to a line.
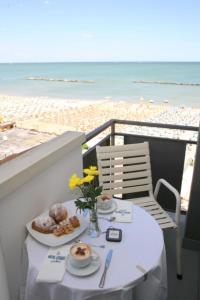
124,212
53,268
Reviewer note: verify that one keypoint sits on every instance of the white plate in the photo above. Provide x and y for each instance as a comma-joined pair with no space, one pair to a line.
54,241
110,210
88,270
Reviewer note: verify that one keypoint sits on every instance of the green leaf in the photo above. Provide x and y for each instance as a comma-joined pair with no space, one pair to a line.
90,193
81,205
85,146
98,190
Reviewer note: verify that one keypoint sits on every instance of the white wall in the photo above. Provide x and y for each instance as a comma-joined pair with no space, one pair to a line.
43,181
4,293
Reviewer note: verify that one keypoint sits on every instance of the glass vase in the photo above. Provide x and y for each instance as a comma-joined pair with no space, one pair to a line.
93,229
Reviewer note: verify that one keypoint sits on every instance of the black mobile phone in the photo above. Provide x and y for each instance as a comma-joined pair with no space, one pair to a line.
114,235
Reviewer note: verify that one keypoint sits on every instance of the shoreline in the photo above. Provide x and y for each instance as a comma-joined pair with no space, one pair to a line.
132,99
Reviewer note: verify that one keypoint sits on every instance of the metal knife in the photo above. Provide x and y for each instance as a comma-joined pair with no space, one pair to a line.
122,212
107,263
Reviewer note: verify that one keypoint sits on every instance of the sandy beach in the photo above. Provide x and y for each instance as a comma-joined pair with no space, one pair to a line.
55,116
39,119
58,115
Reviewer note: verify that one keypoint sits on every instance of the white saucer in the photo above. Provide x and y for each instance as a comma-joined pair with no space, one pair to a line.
88,270
108,211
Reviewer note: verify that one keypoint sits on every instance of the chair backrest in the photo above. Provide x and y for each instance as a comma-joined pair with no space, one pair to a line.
124,169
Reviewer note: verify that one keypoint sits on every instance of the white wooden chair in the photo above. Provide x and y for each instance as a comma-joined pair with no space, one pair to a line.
126,169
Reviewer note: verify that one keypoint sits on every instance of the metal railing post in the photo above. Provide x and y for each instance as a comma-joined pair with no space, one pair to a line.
112,137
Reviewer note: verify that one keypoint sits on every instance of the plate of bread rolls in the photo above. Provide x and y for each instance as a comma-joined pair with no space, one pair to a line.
57,226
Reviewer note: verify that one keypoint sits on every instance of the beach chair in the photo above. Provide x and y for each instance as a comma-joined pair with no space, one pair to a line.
126,169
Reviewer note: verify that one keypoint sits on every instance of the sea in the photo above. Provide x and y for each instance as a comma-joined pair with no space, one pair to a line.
176,83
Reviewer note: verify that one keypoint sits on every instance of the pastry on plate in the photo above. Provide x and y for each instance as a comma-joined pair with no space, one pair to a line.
74,221
58,212
63,229
44,224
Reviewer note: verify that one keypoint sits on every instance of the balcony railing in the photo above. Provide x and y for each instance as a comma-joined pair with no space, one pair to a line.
167,154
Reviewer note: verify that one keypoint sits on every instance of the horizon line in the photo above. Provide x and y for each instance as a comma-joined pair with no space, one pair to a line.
120,61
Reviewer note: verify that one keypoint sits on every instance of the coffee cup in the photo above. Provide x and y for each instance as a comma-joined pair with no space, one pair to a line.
104,201
80,255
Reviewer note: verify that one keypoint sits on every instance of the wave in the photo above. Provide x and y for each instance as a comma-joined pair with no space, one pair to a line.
166,82
60,80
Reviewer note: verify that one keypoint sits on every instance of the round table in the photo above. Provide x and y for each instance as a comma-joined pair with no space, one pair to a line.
142,248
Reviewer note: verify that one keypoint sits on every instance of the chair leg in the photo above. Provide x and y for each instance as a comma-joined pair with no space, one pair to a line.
178,254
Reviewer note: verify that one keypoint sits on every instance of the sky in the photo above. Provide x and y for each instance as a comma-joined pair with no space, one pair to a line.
99,30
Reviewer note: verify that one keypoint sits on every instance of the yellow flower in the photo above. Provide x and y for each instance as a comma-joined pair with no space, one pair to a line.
88,179
92,170
74,181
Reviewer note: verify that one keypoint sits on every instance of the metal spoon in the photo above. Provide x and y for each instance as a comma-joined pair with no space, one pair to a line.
93,245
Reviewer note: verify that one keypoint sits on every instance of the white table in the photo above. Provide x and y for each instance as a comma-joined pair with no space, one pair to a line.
142,244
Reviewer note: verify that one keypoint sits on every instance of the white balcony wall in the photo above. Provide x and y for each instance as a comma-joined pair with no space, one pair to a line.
29,184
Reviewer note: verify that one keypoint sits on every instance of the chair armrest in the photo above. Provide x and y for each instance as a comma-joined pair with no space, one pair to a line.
176,194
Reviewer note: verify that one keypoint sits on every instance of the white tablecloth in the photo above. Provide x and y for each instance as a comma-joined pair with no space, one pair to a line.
142,244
